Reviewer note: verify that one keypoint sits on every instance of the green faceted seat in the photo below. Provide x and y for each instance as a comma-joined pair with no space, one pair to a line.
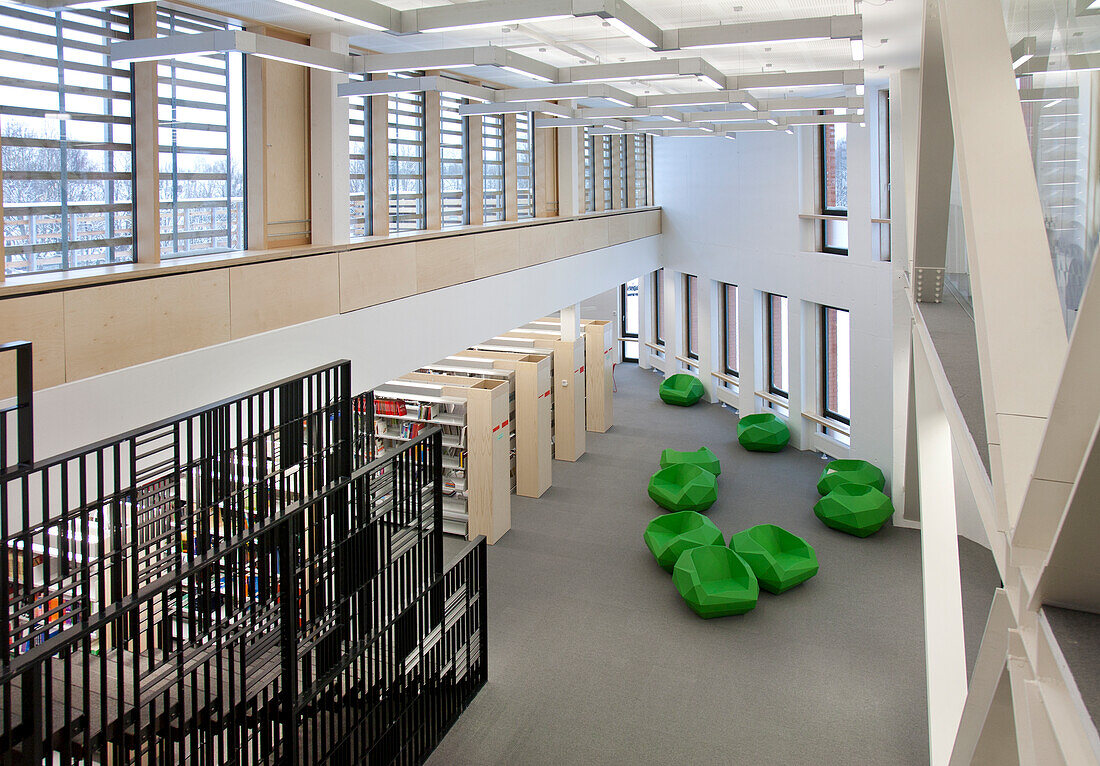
701,457
670,535
683,487
850,472
681,389
855,508
762,432
715,581
779,559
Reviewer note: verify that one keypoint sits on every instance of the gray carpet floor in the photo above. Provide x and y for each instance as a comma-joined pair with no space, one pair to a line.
595,659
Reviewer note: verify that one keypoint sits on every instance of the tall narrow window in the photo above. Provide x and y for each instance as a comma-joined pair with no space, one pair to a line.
359,153
525,165
201,111
67,150
833,145
629,319
607,175
658,319
589,172
624,180
691,316
492,166
776,311
454,175
408,202
730,363
836,371
884,174
641,172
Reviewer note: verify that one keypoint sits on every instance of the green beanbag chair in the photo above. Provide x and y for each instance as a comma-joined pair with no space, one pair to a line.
670,535
701,457
715,581
683,487
680,389
857,509
850,472
762,432
779,559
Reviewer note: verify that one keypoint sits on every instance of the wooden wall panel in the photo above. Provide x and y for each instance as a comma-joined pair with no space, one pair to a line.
594,233
619,229
541,244
127,323
443,262
546,172
266,296
376,275
286,154
39,319
496,252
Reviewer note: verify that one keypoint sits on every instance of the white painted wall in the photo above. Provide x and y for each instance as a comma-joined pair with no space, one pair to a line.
731,215
382,342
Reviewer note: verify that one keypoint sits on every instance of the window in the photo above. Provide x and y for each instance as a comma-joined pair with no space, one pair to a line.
454,174
201,112
836,371
605,163
492,166
589,172
407,203
730,364
884,174
658,320
359,151
833,140
525,165
624,182
641,173
628,319
67,147
691,316
776,311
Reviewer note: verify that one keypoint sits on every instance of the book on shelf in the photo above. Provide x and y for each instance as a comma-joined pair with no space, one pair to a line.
394,407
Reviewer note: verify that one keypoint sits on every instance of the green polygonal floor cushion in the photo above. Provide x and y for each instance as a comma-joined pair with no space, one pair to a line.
701,457
680,389
854,508
715,581
683,487
762,432
850,472
668,536
779,559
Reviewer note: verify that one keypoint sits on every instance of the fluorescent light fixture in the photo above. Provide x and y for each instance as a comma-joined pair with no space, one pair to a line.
789,131
863,125
1023,52
711,81
227,41
632,33
500,23
748,106
730,136
857,49
349,18
670,118
619,101
395,85
1053,103
627,77
858,111
285,60
532,75
772,121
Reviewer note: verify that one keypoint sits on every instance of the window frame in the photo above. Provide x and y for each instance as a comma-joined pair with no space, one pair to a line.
823,339
824,209
769,342
395,138
658,324
493,204
447,212
691,313
726,369
608,176
525,165
356,105
624,334
589,171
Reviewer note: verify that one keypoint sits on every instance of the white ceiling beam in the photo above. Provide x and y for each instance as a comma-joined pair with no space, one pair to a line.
574,122
434,83
456,58
701,98
516,107
1073,62
227,41
632,112
819,28
795,79
569,92
798,104
645,70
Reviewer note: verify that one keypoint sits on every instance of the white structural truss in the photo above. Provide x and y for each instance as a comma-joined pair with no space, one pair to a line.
1038,504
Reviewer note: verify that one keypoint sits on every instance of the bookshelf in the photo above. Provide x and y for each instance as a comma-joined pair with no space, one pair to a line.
532,414
599,364
473,413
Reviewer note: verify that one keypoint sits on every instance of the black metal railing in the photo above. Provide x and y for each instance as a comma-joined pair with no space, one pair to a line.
17,418
236,584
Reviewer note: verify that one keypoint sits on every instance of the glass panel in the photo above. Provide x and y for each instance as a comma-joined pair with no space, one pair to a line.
835,171
624,183
67,151
777,344
729,329
629,320
454,170
589,200
201,113
525,166
359,152
658,321
836,236
605,152
407,201
641,176
691,309
836,366
492,166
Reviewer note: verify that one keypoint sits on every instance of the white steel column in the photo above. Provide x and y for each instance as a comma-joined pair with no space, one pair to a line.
330,162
